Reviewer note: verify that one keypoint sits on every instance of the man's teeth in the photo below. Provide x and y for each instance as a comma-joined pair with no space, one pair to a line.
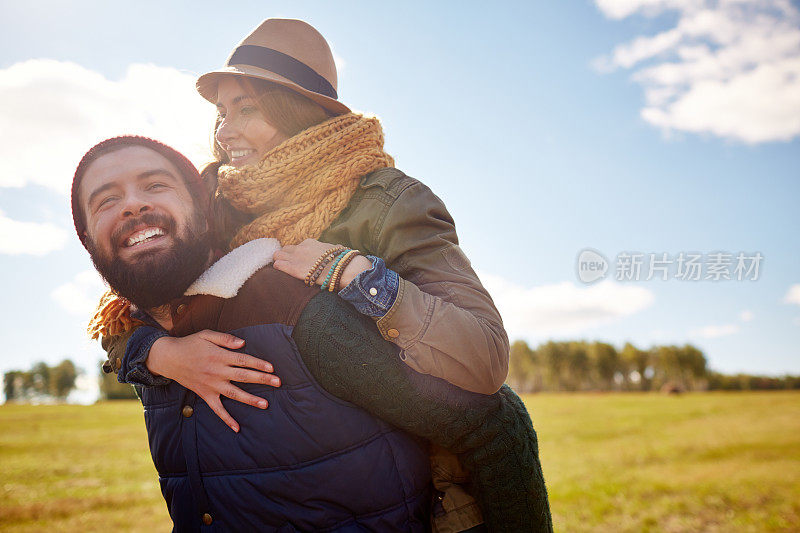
145,234
240,153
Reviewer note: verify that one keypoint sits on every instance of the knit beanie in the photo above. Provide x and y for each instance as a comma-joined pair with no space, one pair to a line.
187,170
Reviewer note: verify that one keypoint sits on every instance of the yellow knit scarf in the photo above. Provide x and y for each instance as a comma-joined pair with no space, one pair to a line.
299,188
296,191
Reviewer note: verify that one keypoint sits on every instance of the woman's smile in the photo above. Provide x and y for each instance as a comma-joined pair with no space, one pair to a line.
242,156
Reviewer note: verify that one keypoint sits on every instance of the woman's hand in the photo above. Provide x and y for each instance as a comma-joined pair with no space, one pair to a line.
204,363
297,260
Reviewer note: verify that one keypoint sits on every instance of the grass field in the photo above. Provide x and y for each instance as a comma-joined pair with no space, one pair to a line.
613,462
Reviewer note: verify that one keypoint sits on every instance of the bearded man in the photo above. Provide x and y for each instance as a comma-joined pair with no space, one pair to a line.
323,456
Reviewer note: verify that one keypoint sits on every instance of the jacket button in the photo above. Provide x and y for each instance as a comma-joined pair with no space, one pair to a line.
373,291
393,333
207,519
180,309
187,411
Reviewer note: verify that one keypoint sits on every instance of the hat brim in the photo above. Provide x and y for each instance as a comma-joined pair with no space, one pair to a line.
207,86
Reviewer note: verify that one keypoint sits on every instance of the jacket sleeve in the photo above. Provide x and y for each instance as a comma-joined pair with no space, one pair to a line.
443,319
127,355
114,345
491,434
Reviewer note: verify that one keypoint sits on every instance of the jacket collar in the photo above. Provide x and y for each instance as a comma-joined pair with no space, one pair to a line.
225,277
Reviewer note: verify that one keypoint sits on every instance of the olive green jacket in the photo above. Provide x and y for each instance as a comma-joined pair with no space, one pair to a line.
443,319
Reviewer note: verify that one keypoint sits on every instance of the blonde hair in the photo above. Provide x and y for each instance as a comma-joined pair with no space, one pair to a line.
289,112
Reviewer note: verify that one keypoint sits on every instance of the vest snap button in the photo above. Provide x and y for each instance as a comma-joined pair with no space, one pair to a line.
207,519
393,333
187,411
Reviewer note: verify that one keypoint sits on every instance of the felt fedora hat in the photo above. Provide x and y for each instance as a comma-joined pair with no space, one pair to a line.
287,52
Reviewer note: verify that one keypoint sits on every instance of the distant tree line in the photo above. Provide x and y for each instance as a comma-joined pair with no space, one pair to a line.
552,366
717,381
598,366
45,383
42,381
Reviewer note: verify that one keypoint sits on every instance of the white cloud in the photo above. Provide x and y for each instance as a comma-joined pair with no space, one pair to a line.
51,112
793,295
619,9
563,308
30,238
746,316
730,68
80,296
712,332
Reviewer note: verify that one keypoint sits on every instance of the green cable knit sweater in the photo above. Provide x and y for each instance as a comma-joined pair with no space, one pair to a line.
492,435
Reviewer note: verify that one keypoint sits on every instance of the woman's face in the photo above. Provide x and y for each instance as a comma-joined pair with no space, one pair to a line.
243,132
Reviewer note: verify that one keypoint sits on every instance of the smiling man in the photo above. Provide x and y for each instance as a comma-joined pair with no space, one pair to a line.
134,197
331,452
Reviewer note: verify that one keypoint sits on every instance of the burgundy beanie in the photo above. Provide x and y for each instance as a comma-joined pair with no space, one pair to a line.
187,170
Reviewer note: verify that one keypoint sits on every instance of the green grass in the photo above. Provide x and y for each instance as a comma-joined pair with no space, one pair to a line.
647,462
78,468
613,462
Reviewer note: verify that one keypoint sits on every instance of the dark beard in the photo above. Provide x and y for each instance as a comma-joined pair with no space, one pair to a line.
157,278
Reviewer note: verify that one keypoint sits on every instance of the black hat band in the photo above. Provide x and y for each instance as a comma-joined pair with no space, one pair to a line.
283,65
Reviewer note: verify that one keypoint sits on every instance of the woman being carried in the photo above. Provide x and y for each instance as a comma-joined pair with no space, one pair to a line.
292,162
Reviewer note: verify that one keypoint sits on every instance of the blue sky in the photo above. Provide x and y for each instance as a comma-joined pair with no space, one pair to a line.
641,125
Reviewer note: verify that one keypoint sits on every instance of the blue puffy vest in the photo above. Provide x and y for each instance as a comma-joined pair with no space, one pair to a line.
309,462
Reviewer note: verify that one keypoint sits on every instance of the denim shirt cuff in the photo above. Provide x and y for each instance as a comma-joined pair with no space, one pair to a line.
380,280
133,369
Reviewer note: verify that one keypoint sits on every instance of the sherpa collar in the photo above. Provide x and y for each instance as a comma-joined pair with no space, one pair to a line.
225,277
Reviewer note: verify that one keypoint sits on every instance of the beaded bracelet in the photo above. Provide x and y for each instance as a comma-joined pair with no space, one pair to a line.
319,265
324,264
337,274
333,267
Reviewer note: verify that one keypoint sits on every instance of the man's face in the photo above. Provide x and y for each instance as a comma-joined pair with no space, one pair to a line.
144,234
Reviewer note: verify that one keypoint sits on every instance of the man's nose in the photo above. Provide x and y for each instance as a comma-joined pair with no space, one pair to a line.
135,205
